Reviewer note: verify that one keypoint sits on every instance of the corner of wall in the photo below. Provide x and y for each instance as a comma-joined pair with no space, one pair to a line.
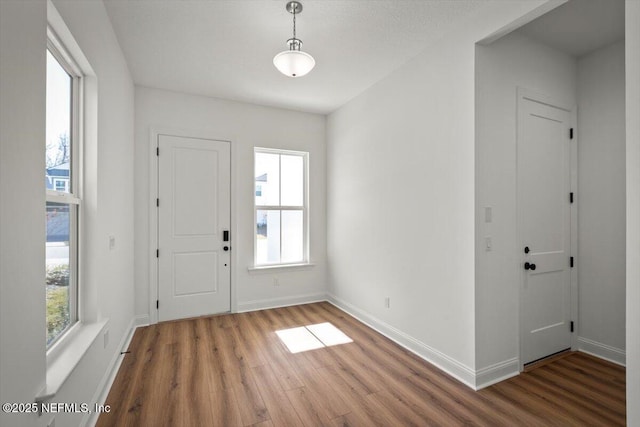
497,372
462,373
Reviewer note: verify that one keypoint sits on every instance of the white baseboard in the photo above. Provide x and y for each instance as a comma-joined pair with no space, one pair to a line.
603,351
109,376
280,302
497,372
449,365
141,320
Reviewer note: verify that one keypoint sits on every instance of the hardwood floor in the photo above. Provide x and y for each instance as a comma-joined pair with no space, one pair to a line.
232,370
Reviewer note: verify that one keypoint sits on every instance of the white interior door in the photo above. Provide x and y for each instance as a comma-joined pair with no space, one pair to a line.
544,210
194,212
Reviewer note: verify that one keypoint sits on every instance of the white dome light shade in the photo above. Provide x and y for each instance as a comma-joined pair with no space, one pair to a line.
294,63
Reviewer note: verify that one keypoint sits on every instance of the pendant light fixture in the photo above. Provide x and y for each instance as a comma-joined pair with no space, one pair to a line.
294,62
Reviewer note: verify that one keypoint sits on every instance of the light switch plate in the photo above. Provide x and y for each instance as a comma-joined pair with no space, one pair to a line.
488,214
488,243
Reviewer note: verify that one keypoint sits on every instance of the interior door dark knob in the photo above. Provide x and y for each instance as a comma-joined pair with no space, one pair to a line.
529,266
225,248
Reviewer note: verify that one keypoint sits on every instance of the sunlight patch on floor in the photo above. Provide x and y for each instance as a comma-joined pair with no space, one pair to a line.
299,339
311,337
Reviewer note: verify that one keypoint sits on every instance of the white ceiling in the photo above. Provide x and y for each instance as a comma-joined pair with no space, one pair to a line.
225,48
579,26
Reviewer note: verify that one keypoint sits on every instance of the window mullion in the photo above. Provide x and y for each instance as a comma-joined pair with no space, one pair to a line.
60,197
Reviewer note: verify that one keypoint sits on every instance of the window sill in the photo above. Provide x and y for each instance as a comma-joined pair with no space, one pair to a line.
63,360
280,267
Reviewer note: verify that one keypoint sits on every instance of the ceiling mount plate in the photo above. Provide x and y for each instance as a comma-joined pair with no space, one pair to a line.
294,6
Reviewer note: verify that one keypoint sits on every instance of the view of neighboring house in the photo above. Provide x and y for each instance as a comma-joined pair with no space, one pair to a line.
57,177
261,183
262,190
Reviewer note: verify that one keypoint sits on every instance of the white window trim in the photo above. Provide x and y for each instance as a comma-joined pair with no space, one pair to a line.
66,353
271,267
305,212
73,197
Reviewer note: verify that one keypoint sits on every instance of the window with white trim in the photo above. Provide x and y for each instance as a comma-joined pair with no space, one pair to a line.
63,198
281,221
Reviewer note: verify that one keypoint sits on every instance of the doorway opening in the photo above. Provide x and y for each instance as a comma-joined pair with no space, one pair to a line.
571,58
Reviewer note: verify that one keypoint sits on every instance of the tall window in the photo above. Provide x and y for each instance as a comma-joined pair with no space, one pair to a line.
280,207
63,192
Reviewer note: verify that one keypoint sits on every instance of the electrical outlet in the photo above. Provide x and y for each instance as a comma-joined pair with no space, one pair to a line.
387,302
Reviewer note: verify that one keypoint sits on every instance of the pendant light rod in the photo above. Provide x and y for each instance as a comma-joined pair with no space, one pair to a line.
294,7
294,62
294,22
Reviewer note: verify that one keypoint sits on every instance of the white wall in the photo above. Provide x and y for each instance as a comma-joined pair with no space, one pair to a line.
246,126
22,226
400,207
601,202
511,62
22,58
632,66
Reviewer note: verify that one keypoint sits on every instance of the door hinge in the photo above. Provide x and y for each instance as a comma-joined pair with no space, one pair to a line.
157,253
158,305
157,151
571,197
158,202
571,326
571,262
570,133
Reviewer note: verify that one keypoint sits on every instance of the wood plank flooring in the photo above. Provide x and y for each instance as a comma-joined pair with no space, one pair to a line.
232,370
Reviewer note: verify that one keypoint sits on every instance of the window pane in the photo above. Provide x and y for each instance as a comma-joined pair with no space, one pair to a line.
58,217
267,174
292,236
292,175
268,237
58,127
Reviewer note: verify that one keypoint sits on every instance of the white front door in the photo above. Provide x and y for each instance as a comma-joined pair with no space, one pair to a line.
194,216
544,211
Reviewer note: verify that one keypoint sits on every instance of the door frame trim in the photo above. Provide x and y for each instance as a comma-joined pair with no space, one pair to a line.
524,93
154,133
